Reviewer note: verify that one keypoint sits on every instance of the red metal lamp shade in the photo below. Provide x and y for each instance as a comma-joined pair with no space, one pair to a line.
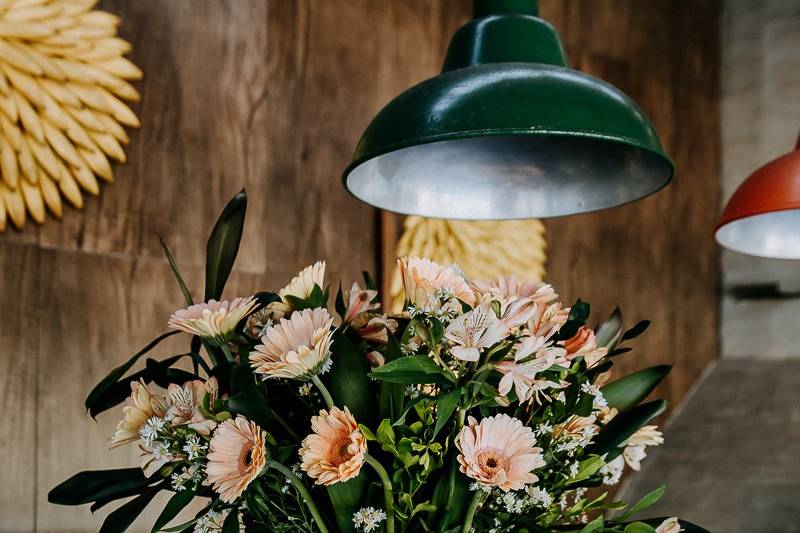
762,217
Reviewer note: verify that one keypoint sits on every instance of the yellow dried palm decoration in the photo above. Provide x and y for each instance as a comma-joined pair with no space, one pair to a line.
63,83
483,249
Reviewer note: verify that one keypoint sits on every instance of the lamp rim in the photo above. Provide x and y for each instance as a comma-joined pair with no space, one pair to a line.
510,132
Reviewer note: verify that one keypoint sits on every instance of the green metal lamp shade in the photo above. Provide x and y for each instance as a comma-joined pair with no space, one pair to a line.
507,131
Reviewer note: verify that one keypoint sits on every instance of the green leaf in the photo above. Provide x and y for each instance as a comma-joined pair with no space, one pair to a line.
639,527
368,434
91,485
231,524
623,426
445,406
369,282
579,312
610,331
385,433
352,386
346,499
636,330
587,468
174,266
648,500
223,245
594,525
174,506
122,518
101,389
451,496
412,369
629,390
392,395
251,403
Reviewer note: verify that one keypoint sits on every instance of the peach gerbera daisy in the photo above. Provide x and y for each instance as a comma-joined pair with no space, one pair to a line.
213,321
499,451
139,407
300,287
336,449
298,348
424,280
237,455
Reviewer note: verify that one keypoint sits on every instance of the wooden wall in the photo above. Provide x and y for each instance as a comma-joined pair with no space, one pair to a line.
270,95
655,258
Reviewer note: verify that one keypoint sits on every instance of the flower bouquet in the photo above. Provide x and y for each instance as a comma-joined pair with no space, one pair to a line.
484,406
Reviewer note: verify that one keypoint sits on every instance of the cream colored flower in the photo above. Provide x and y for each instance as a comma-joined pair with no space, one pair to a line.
139,407
336,449
636,445
547,320
578,428
186,402
375,329
298,348
670,525
237,454
499,451
300,287
531,357
583,343
474,331
425,282
213,321
359,301
509,288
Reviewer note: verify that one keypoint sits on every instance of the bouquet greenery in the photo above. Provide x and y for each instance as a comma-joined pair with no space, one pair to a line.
484,406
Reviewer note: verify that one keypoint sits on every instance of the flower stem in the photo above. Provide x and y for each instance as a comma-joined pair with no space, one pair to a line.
283,423
473,506
293,479
388,496
323,390
227,351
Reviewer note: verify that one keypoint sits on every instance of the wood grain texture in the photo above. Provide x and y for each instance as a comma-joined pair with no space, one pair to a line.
656,258
271,95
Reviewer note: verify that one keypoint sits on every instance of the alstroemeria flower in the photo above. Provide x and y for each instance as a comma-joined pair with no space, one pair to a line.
523,370
375,329
670,525
635,446
300,287
359,301
475,330
583,343
547,320
506,289
425,280
186,401
213,321
298,348
499,451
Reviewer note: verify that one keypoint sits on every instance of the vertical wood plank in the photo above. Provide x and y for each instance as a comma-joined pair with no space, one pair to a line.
19,320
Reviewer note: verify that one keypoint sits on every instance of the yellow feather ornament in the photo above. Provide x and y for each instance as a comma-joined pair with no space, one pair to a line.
484,249
63,86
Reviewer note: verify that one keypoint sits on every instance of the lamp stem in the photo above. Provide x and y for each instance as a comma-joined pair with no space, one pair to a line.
484,8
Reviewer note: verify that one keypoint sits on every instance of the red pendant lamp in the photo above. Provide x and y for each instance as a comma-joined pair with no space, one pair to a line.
762,217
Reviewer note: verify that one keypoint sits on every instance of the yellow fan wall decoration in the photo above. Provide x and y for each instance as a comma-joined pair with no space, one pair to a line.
484,249
64,81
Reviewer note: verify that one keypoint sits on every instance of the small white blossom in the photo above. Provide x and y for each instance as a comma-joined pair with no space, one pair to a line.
573,469
304,389
210,522
539,497
612,471
194,447
513,504
368,518
150,429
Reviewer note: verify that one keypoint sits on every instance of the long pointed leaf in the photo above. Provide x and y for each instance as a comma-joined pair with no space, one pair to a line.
628,391
91,485
174,266
121,519
346,499
623,426
174,506
223,245
100,389
352,387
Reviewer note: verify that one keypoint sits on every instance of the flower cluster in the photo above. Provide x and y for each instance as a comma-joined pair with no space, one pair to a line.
486,405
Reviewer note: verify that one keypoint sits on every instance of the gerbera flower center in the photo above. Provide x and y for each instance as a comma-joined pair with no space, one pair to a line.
246,458
492,461
340,451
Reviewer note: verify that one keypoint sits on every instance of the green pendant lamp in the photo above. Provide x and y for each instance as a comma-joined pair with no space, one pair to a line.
507,131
